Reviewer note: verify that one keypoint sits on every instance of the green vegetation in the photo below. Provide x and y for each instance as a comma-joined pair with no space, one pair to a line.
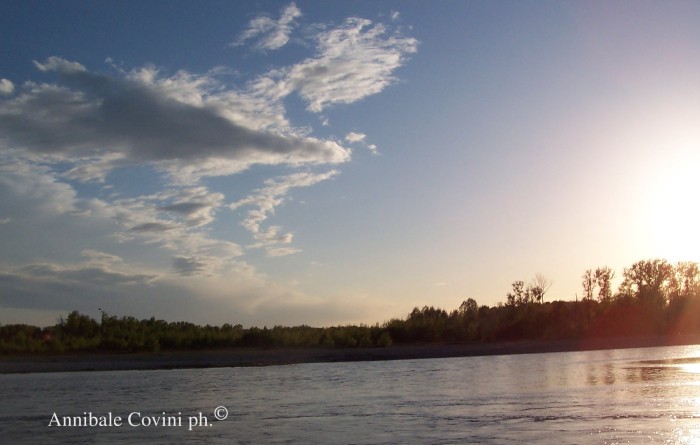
654,298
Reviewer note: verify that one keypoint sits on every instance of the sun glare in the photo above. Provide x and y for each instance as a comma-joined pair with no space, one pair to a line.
693,368
676,212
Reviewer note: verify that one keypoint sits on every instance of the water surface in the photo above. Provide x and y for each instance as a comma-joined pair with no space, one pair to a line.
645,395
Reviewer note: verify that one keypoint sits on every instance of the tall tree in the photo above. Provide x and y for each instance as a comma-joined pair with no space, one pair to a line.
540,285
603,277
588,282
519,296
649,280
468,309
684,280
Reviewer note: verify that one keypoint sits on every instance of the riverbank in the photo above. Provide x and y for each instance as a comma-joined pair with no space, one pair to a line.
236,357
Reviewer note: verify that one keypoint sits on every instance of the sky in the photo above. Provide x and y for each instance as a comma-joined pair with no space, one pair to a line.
323,163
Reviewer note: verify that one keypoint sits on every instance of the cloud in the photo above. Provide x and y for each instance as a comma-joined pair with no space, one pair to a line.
281,251
354,60
75,234
101,258
242,296
83,287
153,227
355,137
194,206
274,34
88,275
29,191
173,219
55,63
6,86
190,265
44,216
124,121
264,201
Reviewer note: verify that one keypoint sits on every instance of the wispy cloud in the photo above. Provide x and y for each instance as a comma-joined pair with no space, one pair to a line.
265,200
174,220
355,60
360,138
271,34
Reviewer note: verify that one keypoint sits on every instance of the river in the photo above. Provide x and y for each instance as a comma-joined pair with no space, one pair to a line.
642,395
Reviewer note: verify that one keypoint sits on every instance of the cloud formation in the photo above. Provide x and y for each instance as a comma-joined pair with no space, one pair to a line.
355,137
264,201
123,121
73,227
273,34
6,86
353,61
360,138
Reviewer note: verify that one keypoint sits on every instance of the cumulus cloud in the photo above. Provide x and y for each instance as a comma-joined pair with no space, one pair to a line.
272,34
6,86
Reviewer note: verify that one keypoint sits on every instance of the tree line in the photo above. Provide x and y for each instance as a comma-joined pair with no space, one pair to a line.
654,298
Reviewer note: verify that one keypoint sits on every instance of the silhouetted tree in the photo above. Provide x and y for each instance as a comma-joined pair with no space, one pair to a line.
603,277
539,287
588,283
519,296
684,280
648,280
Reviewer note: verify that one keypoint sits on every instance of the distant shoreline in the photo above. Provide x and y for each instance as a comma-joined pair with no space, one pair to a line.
246,357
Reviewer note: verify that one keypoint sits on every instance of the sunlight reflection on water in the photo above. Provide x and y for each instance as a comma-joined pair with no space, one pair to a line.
691,367
649,395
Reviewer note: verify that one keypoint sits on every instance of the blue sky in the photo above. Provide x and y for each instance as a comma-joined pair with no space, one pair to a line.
337,162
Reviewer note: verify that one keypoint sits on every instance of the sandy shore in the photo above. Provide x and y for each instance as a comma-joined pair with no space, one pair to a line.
267,357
